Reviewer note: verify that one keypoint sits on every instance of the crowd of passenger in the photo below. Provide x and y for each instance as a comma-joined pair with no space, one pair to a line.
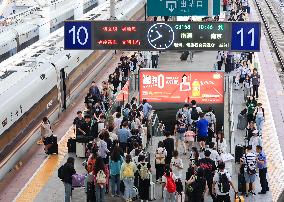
117,161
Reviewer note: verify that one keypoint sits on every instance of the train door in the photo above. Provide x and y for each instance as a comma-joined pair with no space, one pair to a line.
63,88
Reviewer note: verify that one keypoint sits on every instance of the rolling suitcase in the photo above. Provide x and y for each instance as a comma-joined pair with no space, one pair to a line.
184,56
152,191
239,151
53,149
80,150
78,180
71,145
242,122
241,183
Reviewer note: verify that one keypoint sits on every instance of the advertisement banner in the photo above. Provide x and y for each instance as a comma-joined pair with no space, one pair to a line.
181,87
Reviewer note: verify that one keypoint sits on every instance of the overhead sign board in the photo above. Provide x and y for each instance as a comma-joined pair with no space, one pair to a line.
181,87
181,7
137,35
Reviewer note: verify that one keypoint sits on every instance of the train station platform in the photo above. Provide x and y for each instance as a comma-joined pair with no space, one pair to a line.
35,177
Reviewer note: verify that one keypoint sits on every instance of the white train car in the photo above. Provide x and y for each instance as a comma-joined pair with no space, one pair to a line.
44,79
25,32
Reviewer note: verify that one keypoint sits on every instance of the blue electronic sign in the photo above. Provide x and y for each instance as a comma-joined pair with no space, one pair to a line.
181,7
77,35
245,36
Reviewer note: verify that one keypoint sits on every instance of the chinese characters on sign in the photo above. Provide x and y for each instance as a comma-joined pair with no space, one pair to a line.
181,7
180,87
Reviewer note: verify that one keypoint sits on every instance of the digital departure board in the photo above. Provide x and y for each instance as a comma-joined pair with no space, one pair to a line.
139,35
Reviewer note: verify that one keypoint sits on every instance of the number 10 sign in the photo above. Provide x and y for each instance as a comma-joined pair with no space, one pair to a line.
245,36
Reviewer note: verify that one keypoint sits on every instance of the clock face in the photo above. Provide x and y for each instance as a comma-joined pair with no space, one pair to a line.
161,36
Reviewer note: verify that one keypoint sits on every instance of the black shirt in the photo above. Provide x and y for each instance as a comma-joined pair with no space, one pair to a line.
169,146
78,123
209,167
86,127
68,172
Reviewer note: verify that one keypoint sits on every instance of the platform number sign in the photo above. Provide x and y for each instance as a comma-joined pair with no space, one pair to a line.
245,36
77,35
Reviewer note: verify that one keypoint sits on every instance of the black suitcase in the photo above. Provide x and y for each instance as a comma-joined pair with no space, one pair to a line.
53,149
184,55
91,193
241,184
71,145
239,151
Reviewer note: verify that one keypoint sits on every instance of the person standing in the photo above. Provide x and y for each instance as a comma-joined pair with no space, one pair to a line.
249,161
46,134
220,59
262,168
77,123
102,147
247,84
185,113
128,169
194,112
65,173
169,190
160,159
116,161
155,58
100,174
180,129
259,117
123,135
202,131
146,109
255,79
169,146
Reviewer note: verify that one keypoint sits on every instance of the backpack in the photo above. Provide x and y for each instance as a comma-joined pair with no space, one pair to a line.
224,185
101,177
181,127
194,113
128,170
160,157
170,185
144,172
61,172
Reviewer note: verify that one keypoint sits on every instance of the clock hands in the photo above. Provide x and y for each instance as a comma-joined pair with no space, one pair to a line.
159,36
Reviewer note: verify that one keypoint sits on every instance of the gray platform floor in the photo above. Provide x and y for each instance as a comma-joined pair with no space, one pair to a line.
54,190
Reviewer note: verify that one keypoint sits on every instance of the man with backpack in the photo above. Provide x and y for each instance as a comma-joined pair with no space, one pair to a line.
186,113
194,111
202,131
211,118
65,173
223,181
209,168
169,190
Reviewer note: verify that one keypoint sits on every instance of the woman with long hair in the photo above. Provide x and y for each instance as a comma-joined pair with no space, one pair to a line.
115,163
100,175
220,142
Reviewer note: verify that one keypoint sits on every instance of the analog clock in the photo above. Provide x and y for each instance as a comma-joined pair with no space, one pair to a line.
161,36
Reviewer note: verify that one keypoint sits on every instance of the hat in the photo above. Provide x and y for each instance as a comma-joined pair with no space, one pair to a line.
255,131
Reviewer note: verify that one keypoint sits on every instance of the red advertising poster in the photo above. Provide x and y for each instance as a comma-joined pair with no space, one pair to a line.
181,87
123,93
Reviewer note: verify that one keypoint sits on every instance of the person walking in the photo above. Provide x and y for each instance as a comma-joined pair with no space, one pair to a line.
186,113
100,175
202,131
259,117
169,190
169,146
262,168
223,180
160,160
65,173
180,129
123,135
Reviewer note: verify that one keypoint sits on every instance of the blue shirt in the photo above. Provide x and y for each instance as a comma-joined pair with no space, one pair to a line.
123,134
262,157
202,126
146,108
115,167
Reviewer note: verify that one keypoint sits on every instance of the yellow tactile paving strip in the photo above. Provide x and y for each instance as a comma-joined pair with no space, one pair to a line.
43,174
271,145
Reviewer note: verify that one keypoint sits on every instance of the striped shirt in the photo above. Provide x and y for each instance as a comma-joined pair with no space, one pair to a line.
249,160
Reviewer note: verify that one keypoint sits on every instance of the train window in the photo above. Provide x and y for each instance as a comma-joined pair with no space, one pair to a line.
4,123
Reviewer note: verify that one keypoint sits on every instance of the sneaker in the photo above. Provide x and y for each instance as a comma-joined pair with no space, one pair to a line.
246,195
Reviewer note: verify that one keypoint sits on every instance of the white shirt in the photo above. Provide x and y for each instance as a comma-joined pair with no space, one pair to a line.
175,164
216,179
46,130
214,155
113,136
254,141
117,122
222,147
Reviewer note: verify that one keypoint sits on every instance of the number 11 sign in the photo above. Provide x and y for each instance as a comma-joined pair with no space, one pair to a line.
245,36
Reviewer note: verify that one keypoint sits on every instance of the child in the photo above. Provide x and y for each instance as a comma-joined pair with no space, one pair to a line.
177,165
189,138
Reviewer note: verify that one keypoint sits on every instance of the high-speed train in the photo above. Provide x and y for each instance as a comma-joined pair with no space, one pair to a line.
25,31
44,78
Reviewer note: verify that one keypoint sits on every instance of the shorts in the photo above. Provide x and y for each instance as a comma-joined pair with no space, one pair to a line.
249,178
180,136
201,138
